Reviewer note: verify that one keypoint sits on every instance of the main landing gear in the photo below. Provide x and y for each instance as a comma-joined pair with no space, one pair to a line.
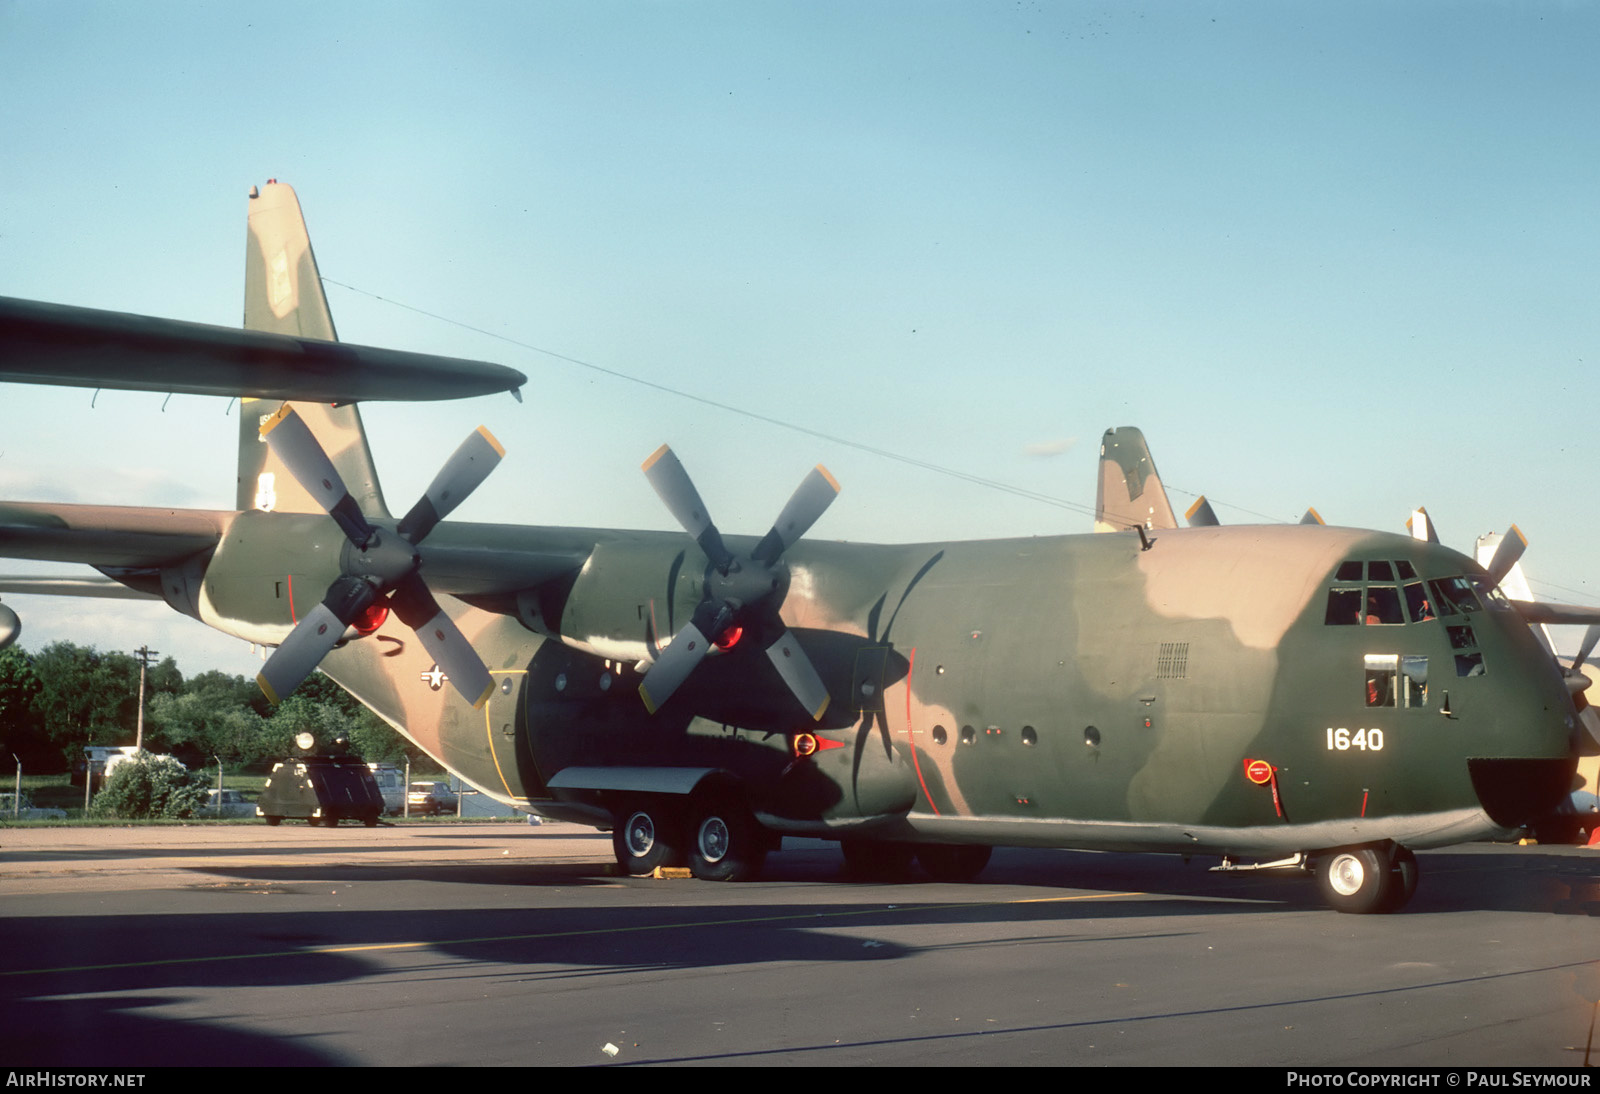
1359,880
716,837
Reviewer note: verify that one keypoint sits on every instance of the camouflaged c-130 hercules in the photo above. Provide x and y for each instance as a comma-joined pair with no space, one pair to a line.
1305,695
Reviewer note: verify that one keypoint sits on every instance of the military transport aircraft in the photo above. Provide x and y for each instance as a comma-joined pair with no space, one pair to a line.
1313,696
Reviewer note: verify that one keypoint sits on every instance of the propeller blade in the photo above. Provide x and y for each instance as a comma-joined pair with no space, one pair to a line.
1590,636
300,653
1420,525
1512,544
1201,515
292,441
673,667
809,501
797,671
462,473
676,490
440,636
1312,517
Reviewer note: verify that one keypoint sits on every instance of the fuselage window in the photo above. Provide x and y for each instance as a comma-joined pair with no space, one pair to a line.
1469,664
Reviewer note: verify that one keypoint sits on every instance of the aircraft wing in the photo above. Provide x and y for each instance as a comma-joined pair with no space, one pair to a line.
107,536
1547,612
92,585
84,347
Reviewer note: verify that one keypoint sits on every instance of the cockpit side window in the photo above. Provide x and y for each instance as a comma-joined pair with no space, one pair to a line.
1456,592
1344,607
1417,602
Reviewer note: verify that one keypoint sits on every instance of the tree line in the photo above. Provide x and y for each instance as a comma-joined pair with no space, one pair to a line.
66,696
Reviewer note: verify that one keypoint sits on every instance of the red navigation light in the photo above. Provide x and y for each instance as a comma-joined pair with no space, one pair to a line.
371,619
809,744
730,638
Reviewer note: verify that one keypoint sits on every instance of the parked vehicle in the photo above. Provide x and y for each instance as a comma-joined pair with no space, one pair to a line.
227,803
431,799
323,788
391,782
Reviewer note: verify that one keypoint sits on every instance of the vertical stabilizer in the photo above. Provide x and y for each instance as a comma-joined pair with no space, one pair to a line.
283,294
1129,493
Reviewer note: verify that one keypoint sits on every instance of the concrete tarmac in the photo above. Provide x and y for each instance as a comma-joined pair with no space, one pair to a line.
509,944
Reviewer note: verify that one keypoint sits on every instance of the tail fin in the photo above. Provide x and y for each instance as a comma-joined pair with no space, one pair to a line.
283,294
1130,493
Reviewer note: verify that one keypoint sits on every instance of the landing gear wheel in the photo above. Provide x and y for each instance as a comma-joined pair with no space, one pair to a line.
370,821
1403,875
953,862
725,843
273,822
1360,880
331,821
645,837
876,860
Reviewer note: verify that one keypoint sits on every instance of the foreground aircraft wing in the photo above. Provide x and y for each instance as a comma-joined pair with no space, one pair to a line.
92,585
107,536
84,347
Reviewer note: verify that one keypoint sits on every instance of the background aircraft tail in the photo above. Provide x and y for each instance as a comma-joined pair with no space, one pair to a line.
283,294
1130,493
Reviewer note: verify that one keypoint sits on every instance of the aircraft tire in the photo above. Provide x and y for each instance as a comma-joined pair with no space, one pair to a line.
725,843
272,822
1356,880
877,860
1403,875
370,820
646,836
953,861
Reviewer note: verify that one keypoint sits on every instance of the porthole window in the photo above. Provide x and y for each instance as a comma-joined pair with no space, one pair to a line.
1029,737
939,735
1091,737
968,735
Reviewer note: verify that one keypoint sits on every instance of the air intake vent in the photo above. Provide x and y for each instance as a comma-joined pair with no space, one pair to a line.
1172,663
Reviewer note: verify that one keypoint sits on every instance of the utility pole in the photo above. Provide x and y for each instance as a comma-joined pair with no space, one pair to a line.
145,655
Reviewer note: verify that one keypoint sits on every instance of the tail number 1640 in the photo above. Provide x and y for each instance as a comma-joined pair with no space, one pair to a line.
1367,740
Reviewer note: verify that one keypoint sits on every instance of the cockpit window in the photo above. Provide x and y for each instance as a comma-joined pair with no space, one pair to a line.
1348,571
1383,605
1417,605
1344,607
1455,592
1491,595
1380,571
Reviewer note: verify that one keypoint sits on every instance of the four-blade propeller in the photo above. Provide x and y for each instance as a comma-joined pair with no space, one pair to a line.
379,569
742,594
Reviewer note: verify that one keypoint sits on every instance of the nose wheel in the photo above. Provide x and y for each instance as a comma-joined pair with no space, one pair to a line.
1362,880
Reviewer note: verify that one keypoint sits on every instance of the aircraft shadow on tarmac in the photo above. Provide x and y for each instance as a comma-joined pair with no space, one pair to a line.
82,989
1558,881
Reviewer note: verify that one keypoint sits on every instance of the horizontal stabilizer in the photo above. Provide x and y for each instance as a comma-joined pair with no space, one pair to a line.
84,347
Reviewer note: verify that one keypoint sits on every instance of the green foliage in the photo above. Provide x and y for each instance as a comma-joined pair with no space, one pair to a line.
149,786
20,735
66,696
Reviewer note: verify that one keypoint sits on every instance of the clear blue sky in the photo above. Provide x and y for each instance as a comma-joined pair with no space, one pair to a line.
1333,255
